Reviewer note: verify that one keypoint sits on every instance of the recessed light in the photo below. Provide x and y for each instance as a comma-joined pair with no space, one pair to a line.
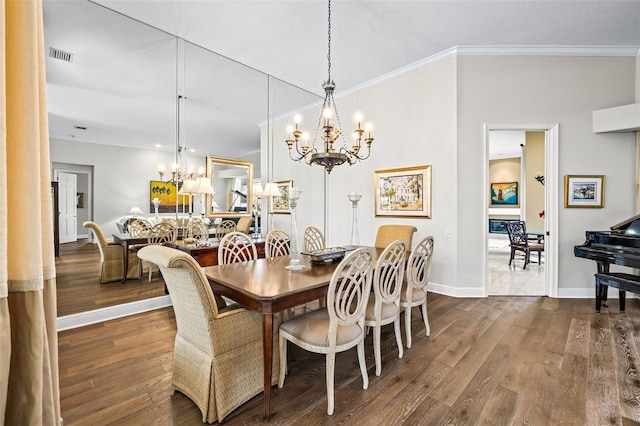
192,150
158,145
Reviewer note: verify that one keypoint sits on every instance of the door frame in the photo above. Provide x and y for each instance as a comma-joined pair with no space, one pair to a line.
551,145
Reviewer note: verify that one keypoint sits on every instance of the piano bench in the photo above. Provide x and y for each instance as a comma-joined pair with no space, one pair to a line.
623,282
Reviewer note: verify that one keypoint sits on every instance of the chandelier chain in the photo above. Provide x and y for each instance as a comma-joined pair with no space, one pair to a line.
329,43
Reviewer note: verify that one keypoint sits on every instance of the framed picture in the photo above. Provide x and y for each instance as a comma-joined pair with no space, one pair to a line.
584,191
80,200
404,192
504,194
280,204
166,192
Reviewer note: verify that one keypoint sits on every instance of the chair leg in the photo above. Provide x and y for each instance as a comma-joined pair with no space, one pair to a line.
363,364
283,360
376,348
407,324
425,318
331,363
513,252
526,259
396,328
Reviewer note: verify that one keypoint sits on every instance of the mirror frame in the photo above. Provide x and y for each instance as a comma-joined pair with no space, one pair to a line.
211,174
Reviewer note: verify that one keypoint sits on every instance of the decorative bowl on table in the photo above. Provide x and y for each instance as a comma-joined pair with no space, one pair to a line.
326,255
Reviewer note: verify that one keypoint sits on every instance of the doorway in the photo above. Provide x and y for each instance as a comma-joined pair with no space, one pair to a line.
521,170
75,199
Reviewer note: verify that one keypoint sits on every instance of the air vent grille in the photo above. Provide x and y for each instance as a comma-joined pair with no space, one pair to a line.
60,54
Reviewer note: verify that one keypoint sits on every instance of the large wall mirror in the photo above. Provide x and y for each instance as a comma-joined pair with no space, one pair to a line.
122,85
232,183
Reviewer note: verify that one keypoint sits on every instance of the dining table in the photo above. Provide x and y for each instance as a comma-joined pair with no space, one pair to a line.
264,285
126,241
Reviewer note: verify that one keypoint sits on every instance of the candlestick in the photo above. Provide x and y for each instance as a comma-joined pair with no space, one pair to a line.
294,252
354,198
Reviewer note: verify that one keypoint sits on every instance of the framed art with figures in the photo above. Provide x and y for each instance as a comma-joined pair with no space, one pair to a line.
403,192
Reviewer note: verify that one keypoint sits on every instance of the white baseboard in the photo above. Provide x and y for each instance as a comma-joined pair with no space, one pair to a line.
112,312
456,291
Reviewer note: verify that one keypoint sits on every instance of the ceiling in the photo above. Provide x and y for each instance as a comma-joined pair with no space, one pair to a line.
123,83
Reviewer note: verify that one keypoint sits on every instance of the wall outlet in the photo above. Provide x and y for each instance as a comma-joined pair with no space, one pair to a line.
447,235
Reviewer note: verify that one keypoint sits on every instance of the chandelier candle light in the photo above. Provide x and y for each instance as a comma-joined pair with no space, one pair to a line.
329,131
294,252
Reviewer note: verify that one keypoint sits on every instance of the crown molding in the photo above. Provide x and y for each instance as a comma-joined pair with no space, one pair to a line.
457,51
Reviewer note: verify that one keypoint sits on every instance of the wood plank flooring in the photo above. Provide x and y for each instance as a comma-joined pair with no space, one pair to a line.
78,281
497,360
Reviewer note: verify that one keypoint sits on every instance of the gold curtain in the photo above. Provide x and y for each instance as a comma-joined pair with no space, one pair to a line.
29,386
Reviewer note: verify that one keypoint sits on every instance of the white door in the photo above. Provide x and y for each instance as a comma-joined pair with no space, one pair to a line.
67,188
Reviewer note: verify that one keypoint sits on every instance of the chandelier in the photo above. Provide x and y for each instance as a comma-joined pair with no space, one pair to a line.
329,131
181,171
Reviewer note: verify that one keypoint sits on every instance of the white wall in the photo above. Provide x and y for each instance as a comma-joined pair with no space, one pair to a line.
436,116
121,176
537,89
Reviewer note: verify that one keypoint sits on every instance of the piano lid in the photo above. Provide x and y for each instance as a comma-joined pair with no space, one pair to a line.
630,226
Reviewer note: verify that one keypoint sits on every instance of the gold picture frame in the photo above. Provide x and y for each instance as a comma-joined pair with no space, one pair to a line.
403,192
584,191
280,204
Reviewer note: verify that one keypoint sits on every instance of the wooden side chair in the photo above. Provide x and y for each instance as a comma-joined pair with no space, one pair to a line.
313,239
223,228
338,327
414,289
385,307
519,242
163,232
236,247
276,243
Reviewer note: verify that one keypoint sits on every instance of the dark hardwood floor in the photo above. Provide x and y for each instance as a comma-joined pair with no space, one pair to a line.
78,281
497,360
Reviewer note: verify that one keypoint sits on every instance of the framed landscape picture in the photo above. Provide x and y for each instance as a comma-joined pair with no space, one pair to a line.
505,193
404,192
280,204
584,191
166,193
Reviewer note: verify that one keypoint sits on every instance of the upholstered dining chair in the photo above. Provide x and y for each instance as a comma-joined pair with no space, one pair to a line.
518,240
244,224
414,288
223,228
388,233
160,233
313,239
236,247
111,258
276,244
384,308
218,354
340,326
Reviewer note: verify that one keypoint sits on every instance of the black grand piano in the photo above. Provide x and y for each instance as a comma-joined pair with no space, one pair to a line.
620,246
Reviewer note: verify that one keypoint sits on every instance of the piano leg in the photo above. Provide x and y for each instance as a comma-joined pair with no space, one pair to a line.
603,268
598,294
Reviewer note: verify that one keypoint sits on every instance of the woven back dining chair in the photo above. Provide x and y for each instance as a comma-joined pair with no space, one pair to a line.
389,233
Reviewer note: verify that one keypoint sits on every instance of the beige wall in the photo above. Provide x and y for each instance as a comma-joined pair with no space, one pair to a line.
532,189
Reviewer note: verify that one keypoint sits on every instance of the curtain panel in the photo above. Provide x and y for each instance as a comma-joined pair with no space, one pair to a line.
29,385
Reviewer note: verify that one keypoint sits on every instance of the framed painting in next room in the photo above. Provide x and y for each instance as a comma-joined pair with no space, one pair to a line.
280,204
404,192
166,192
584,191
504,194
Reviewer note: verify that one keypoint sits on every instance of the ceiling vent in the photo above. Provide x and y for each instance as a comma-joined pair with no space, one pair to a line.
60,54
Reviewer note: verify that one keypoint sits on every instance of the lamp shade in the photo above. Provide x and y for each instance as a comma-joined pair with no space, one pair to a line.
202,185
257,190
187,187
135,211
271,190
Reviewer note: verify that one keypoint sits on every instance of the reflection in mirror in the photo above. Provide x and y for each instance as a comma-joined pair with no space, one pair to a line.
232,183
